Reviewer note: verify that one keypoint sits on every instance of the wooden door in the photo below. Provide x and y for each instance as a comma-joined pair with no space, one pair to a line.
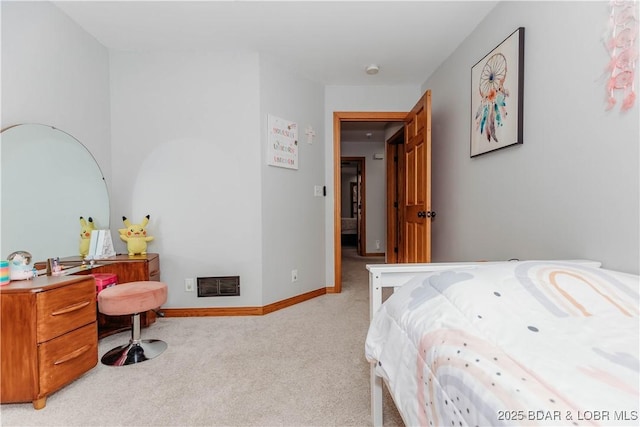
416,238
395,188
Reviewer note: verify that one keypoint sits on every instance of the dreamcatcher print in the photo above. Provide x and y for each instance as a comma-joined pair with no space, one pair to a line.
497,82
622,47
493,96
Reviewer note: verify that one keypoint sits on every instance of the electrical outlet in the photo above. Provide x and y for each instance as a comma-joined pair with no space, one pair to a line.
189,285
377,244
294,276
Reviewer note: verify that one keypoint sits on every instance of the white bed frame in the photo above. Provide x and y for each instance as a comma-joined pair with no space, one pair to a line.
395,275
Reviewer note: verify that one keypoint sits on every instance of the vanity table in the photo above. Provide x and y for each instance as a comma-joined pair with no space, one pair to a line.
49,326
48,336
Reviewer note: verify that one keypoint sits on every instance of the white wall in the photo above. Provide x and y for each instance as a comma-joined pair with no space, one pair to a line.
188,134
54,73
375,190
355,98
186,139
292,217
572,189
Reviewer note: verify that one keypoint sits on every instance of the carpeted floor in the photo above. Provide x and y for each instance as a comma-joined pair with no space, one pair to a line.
300,366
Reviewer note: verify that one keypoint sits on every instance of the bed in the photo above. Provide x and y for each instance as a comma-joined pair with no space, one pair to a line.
506,343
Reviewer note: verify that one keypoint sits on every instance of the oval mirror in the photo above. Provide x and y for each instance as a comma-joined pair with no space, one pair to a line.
49,180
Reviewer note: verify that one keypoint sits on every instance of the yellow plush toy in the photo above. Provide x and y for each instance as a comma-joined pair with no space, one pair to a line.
136,236
86,227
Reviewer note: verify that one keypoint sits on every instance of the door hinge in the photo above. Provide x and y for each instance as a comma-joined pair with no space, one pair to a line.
395,250
395,205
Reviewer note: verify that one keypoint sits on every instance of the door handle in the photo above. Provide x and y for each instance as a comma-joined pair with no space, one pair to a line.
426,214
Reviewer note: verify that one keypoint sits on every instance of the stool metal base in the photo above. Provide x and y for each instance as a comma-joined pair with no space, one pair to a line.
137,351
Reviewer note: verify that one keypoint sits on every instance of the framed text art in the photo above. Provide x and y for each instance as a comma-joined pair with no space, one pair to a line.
282,150
497,82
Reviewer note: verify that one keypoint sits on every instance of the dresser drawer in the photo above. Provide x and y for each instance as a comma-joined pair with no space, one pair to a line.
65,358
64,309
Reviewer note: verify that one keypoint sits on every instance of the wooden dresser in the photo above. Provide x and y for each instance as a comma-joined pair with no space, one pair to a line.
48,336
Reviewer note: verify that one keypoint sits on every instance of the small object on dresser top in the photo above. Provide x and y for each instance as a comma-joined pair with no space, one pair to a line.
53,266
4,272
19,268
136,236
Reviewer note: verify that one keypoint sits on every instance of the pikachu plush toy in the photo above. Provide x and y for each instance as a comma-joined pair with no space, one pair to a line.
136,236
86,227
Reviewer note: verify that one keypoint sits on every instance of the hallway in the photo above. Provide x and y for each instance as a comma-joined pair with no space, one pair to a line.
354,271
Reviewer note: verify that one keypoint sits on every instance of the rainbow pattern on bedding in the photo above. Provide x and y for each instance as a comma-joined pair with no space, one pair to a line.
515,343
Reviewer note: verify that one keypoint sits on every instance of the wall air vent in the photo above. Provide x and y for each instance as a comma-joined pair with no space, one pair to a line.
225,286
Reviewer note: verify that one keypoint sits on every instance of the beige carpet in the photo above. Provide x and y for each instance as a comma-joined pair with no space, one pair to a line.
300,366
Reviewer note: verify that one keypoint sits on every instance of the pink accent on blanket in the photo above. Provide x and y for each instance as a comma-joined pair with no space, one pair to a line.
608,379
497,375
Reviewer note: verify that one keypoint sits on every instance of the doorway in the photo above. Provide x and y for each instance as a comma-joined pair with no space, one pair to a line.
414,213
338,119
353,201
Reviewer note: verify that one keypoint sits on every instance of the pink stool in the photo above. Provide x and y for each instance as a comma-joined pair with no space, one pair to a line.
133,298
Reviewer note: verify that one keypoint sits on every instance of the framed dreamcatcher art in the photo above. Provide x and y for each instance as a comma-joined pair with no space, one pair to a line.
497,82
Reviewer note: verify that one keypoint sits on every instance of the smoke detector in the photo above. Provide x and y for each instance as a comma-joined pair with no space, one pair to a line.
372,69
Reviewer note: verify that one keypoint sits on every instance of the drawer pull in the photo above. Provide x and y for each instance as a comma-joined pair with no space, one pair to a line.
69,309
72,355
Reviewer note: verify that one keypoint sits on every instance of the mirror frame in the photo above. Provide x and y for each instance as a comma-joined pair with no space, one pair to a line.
49,180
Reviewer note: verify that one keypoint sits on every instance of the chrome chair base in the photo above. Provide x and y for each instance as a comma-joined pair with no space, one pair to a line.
137,351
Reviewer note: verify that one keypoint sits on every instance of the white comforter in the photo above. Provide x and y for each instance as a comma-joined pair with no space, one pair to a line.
519,343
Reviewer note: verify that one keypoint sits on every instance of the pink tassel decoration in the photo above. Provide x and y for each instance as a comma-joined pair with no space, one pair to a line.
628,102
623,50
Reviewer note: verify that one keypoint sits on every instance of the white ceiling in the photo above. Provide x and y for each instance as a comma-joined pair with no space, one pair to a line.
327,41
